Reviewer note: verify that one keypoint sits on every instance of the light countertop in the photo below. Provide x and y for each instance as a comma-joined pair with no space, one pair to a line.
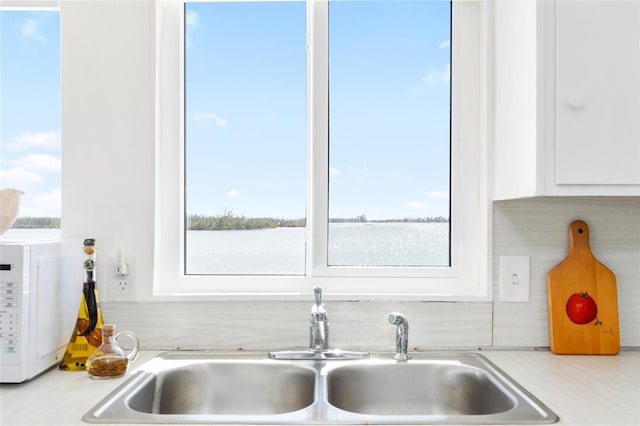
582,390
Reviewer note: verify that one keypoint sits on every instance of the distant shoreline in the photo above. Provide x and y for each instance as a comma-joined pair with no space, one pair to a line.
36,223
230,222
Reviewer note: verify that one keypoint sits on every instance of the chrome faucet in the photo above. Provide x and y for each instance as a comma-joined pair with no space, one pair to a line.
402,335
318,324
318,338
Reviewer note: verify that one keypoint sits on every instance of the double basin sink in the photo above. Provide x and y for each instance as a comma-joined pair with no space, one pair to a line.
245,388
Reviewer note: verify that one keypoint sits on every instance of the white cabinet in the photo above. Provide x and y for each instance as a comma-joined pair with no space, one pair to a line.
566,98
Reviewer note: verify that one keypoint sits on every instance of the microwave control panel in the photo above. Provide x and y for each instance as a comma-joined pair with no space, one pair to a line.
9,309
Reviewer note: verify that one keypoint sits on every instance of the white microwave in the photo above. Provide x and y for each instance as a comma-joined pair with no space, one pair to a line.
40,288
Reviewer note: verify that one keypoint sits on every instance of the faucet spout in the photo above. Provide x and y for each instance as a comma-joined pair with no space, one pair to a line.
402,335
318,324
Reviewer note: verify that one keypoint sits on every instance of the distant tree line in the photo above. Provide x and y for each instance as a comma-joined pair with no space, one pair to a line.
363,219
228,221
437,219
36,222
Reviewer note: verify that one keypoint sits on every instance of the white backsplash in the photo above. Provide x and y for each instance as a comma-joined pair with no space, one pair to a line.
268,325
539,228
533,227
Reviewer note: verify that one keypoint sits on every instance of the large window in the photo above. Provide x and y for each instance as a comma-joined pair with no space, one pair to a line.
321,143
30,116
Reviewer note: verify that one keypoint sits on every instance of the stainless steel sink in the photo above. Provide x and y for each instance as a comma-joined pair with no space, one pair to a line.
224,387
215,388
417,388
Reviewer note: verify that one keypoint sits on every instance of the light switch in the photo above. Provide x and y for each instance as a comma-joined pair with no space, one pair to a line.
514,278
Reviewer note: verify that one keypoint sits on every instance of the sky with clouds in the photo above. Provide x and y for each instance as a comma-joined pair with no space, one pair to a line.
30,109
389,109
245,111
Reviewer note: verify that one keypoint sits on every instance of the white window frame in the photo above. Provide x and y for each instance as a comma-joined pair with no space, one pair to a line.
30,5
468,277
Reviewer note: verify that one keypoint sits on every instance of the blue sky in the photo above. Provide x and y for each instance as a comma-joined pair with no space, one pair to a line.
245,109
30,109
389,109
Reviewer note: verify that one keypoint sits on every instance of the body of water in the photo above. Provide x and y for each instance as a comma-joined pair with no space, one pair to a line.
282,250
22,234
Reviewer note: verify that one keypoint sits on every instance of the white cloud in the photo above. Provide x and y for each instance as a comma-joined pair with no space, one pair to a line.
28,169
438,194
192,19
429,195
445,44
209,116
49,139
53,196
234,193
438,76
18,177
40,162
334,171
416,205
41,204
30,28
446,75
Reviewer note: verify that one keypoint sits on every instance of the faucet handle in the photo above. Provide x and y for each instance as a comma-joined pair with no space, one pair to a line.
317,293
318,312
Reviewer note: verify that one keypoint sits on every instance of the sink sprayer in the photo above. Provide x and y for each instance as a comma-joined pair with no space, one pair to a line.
402,335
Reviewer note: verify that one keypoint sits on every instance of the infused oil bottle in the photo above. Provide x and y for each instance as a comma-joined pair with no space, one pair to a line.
110,360
87,334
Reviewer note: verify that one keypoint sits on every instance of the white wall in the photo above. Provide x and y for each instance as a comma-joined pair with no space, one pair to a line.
108,125
108,122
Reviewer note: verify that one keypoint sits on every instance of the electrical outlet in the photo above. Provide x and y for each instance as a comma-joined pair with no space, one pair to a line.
514,278
121,288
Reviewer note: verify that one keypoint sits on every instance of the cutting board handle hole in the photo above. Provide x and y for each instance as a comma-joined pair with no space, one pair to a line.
580,230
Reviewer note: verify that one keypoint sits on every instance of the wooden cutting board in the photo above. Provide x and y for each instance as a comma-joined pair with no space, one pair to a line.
581,272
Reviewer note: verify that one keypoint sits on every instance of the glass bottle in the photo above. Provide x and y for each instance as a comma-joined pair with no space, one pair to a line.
109,360
87,335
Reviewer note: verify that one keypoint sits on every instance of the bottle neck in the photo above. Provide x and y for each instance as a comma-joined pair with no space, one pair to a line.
108,331
107,339
90,266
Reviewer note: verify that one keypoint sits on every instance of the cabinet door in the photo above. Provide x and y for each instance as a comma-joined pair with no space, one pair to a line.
597,92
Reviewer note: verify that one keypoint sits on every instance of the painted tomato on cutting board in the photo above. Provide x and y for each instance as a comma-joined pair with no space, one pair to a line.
581,308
